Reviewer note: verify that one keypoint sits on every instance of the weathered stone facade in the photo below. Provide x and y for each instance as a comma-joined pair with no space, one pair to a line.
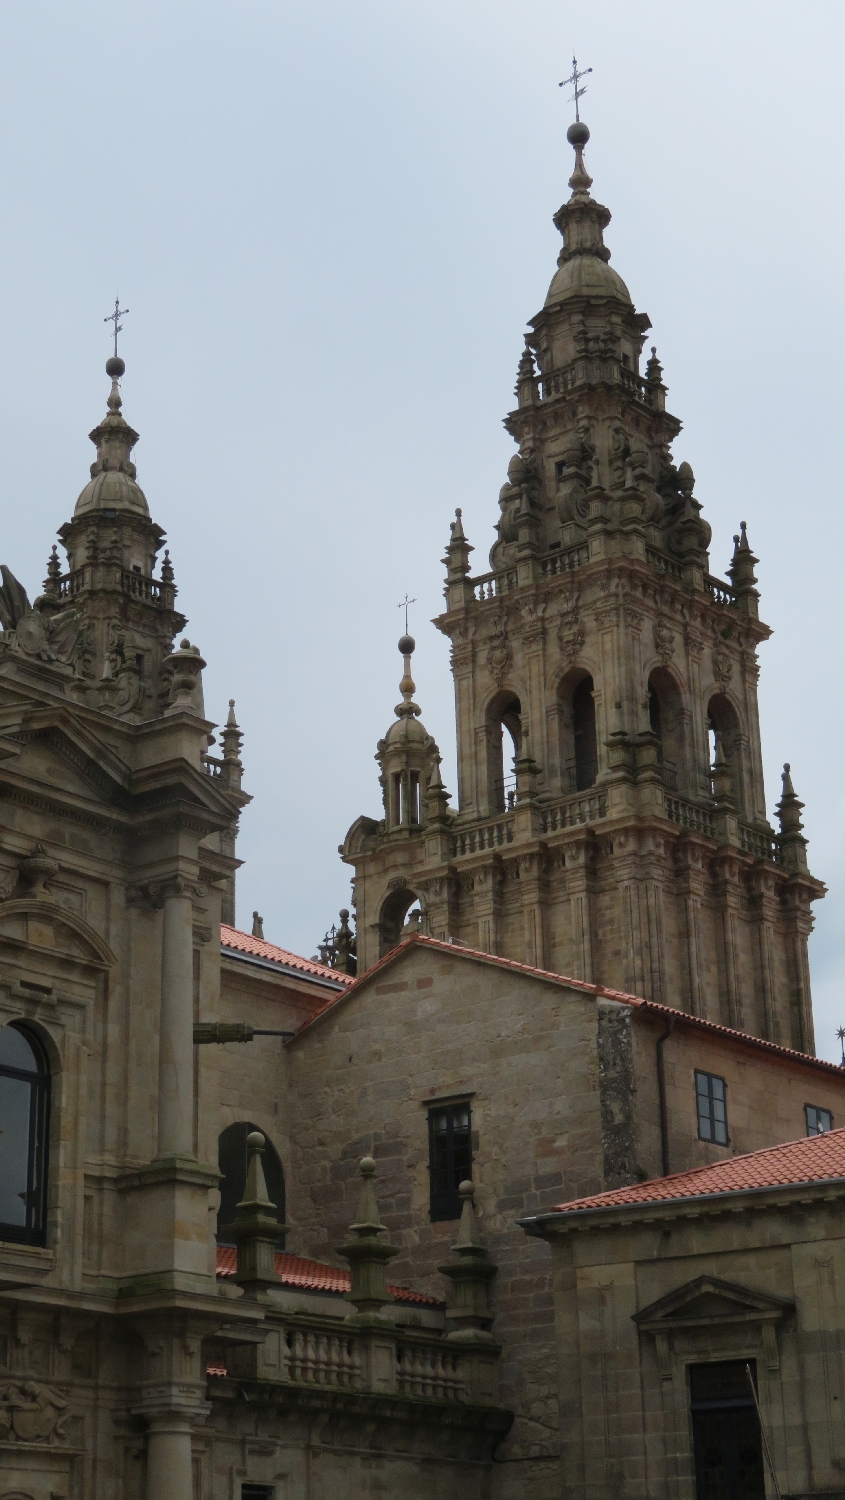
563,1083
604,653
650,1294
116,867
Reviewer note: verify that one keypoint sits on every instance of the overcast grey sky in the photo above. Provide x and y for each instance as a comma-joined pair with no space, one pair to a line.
330,223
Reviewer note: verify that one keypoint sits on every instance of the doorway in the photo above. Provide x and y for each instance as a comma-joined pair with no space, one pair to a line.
726,1433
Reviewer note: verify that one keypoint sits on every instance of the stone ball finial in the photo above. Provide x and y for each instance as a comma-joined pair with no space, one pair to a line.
466,1189
255,1140
407,645
344,914
367,1167
578,134
115,367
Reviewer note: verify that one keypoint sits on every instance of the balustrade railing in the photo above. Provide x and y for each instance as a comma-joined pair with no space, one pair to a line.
587,808
317,1356
491,585
427,1371
757,842
720,593
688,815
565,562
492,835
140,587
212,766
665,565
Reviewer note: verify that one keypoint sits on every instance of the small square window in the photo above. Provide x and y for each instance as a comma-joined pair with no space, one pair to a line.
712,1103
819,1121
449,1158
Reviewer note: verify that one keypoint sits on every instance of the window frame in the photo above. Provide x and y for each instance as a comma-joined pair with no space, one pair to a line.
712,1078
34,1232
445,1201
818,1109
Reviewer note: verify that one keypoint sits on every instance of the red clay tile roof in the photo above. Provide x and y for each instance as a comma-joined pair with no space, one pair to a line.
601,992
314,1276
817,1158
244,942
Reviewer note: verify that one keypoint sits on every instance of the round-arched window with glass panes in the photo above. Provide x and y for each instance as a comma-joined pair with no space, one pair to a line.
24,1111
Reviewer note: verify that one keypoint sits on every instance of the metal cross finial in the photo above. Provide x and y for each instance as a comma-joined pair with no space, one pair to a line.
841,1036
119,312
575,77
404,605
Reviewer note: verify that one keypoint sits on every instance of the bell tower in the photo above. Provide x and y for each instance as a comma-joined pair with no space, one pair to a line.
611,821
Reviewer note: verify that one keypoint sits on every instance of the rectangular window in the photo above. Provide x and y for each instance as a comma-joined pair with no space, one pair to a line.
257,1491
819,1121
711,1099
449,1158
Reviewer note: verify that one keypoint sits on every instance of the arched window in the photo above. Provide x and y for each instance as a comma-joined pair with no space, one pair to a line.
723,725
24,1117
393,915
232,1162
666,721
578,747
504,713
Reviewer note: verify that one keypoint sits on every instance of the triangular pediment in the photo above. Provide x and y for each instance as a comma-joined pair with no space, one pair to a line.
58,751
708,1300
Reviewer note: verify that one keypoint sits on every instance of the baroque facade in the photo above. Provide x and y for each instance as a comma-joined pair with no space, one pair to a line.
259,1215
611,820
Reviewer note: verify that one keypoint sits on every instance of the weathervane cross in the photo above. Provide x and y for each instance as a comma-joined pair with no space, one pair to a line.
575,78
119,312
404,605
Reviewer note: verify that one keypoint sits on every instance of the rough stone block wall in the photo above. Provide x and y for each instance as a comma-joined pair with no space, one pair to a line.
524,1053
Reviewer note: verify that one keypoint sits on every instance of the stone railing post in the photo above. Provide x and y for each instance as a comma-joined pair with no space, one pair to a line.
470,1271
256,1229
368,1257
176,1038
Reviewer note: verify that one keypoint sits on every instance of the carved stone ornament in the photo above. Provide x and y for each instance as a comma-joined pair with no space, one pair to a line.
722,665
570,631
31,1413
664,640
500,653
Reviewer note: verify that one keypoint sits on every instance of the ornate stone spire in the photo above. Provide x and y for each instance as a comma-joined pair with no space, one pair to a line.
368,1254
113,483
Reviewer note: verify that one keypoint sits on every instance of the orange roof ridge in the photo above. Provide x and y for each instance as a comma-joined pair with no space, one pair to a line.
244,942
314,1276
815,1158
601,991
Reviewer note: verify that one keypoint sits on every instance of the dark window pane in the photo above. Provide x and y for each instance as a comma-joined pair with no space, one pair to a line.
449,1158
16,1051
711,1101
15,1108
819,1121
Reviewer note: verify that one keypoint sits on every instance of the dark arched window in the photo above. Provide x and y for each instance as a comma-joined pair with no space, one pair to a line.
504,713
232,1163
666,722
723,725
24,1111
393,917
584,735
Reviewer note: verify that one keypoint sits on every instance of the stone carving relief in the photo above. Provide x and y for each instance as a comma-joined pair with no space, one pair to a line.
28,631
570,630
500,652
722,665
664,640
575,475
31,1413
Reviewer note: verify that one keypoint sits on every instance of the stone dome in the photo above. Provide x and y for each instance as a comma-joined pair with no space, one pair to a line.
112,490
407,731
586,276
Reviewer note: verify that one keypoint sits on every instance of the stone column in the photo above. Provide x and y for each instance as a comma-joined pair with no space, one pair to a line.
175,1056
169,1468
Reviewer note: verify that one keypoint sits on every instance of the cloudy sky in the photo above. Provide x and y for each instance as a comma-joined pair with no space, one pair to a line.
330,223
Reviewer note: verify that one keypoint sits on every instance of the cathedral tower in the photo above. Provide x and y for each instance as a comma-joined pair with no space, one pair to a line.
611,821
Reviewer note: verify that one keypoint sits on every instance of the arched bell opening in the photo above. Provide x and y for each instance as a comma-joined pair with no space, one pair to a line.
504,718
723,729
394,914
665,714
578,744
